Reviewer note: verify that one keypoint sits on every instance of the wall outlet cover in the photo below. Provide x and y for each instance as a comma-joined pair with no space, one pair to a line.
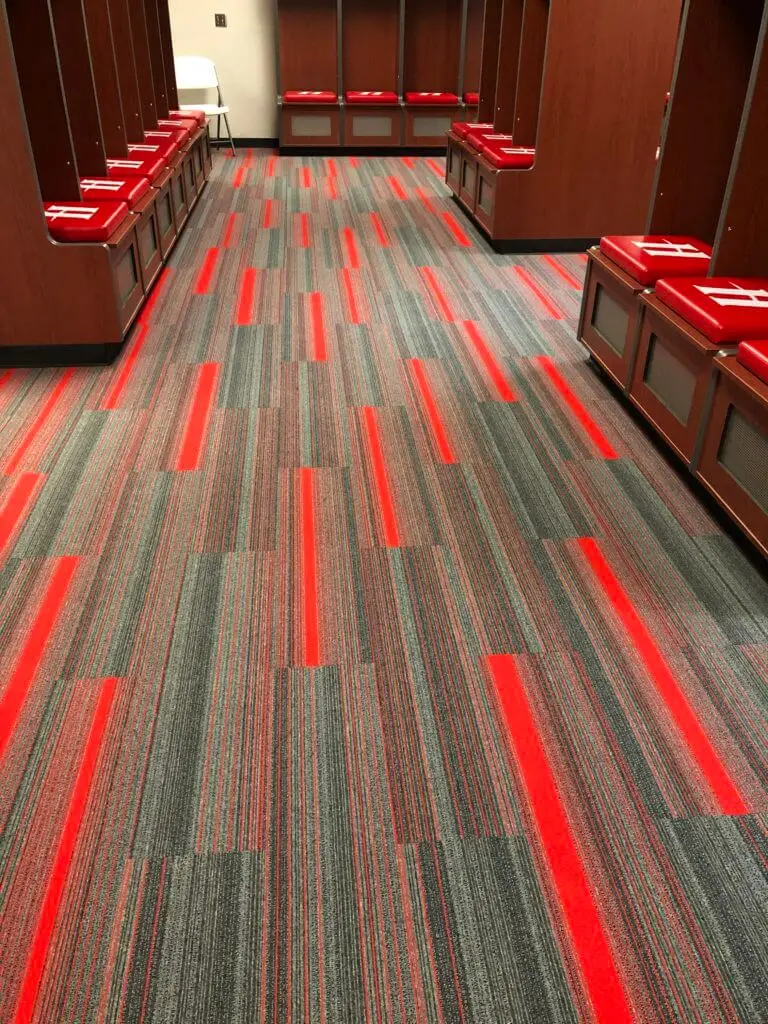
221,20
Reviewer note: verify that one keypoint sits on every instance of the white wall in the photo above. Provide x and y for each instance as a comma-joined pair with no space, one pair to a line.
244,54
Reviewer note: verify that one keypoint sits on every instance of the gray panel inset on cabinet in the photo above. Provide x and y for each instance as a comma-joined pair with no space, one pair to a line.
371,126
671,381
610,320
744,453
485,193
428,127
311,125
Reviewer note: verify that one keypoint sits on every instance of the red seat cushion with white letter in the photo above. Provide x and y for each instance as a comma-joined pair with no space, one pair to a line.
184,115
84,222
184,128
309,96
125,190
471,98
162,150
462,128
480,137
432,99
382,99
650,257
724,309
163,137
754,355
507,157
136,166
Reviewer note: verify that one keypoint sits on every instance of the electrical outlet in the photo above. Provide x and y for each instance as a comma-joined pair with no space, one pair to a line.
221,20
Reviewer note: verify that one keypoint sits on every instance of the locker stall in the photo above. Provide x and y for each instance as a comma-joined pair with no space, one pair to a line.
564,159
678,317
88,206
309,73
371,72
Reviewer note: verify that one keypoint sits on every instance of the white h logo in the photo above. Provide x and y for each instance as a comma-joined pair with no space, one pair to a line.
159,135
59,212
743,297
143,148
663,248
519,149
134,165
105,184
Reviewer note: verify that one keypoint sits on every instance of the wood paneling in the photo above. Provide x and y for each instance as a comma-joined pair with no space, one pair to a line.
34,49
79,86
143,60
126,69
371,42
432,45
489,60
308,45
166,39
157,59
533,41
507,65
105,77
741,247
473,47
714,62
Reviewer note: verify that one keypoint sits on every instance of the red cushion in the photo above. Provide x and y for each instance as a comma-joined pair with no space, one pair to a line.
471,98
461,128
506,156
136,165
125,190
308,96
480,137
649,257
754,355
161,150
380,99
188,126
185,115
737,311
164,136
84,222
432,99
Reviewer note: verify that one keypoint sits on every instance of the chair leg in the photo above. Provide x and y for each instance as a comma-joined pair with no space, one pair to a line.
229,133
218,127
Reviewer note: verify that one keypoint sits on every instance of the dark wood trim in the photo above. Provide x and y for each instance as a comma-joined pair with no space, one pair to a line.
107,85
489,60
166,39
507,65
157,60
143,60
122,38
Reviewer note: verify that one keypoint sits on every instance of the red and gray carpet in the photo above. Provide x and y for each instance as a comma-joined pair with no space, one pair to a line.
362,660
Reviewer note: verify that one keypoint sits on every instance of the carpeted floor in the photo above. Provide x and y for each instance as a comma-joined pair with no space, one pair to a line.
362,660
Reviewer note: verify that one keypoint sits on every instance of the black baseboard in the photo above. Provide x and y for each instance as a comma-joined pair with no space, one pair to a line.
58,355
245,143
520,246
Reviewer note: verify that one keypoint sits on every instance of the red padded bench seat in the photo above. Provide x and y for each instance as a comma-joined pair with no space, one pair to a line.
724,309
158,150
84,222
185,115
309,96
462,128
187,126
754,355
432,99
471,98
481,137
125,190
372,99
164,136
136,166
508,157
650,257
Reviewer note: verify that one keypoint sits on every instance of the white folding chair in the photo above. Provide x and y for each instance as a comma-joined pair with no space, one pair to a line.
199,73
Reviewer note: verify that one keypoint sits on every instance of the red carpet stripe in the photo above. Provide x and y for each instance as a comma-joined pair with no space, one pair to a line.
31,654
577,902
333,190
426,200
350,244
240,174
560,270
245,298
319,346
309,571
354,163
589,426
433,165
432,411
456,231
396,187
230,230
59,874
271,166
306,177
269,214
207,271
8,374
304,230
548,305
696,740
16,506
378,227
383,490
349,291
494,371
157,291
112,398
438,294
39,422
409,162
199,417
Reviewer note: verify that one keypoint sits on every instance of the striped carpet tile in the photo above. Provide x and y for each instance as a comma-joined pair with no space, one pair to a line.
363,661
